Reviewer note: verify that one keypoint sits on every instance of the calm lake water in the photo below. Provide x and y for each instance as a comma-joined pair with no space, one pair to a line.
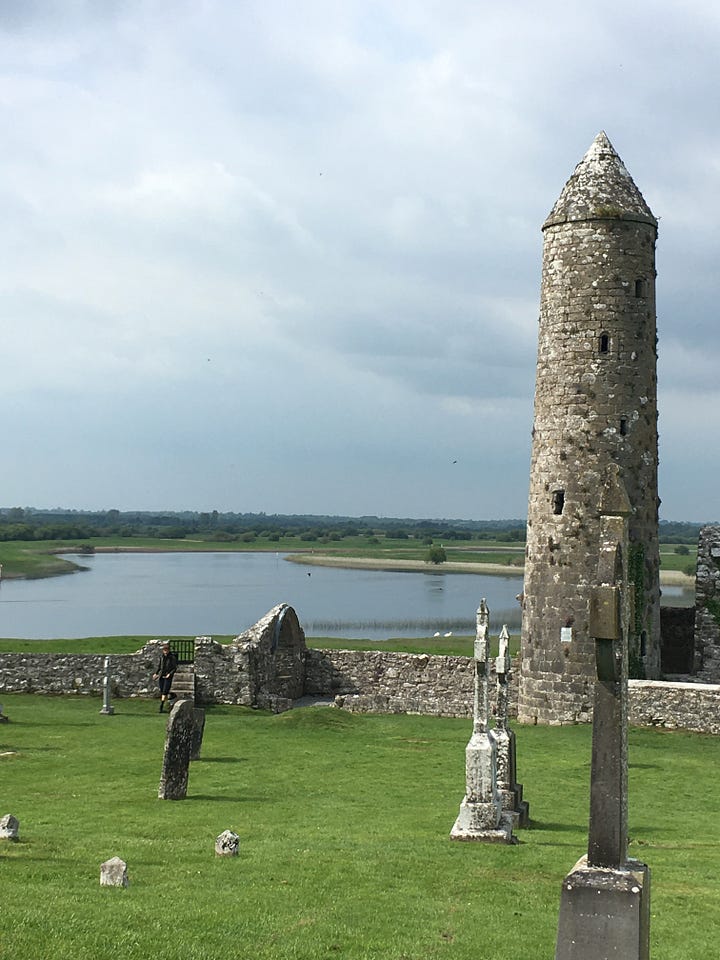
225,593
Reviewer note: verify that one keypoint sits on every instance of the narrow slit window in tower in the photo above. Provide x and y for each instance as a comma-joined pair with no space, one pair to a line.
640,288
558,502
623,426
604,343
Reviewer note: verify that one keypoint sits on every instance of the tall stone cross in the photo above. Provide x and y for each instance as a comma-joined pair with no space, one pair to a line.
609,624
605,901
107,707
511,792
481,816
502,675
481,707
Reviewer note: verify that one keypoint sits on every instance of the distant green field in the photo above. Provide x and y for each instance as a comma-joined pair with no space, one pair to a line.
671,560
38,559
344,825
458,646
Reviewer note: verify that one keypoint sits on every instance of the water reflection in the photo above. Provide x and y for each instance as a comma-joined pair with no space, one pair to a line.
224,593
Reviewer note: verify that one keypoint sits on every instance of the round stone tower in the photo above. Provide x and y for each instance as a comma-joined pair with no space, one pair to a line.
595,406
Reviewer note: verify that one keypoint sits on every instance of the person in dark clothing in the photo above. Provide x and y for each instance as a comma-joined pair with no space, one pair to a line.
167,665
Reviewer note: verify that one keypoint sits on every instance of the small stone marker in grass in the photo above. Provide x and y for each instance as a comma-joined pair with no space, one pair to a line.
113,873
227,844
198,731
9,827
178,747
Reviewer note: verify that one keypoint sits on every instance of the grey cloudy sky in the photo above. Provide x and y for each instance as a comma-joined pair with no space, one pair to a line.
285,256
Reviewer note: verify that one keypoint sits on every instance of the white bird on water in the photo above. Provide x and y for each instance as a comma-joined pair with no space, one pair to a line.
448,634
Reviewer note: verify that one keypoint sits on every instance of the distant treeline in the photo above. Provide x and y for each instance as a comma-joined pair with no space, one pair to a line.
27,523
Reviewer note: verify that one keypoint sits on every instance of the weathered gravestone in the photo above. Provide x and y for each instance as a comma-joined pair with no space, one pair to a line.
9,827
511,792
178,747
113,873
198,731
605,901
481,816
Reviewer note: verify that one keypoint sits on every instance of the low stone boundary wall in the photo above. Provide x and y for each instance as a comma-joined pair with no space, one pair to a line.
264,667
675,706
383,682
55,673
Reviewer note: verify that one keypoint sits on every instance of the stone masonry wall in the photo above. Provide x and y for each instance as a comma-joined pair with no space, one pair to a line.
264,666
675,706
707,606
383,682
363,682
378,682
55,673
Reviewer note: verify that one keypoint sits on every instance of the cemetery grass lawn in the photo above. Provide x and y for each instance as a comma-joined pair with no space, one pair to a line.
344,824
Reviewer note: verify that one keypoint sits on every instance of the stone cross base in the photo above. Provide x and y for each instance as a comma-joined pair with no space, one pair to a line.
479,821
513,803
605,913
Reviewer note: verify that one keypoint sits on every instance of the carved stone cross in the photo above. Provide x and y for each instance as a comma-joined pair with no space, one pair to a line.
605,901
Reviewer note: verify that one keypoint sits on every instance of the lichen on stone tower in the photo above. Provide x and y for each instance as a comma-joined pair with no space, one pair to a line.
595,411
600,187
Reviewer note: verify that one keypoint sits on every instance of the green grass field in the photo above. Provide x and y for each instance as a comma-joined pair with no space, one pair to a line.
344,824
458,646
38,559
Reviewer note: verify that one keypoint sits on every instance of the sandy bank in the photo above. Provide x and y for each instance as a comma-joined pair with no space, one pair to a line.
404,566
668,578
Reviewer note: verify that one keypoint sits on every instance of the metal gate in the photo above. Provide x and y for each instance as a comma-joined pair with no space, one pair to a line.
184,650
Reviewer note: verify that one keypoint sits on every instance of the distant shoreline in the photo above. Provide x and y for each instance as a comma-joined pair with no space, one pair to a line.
404,566
668,578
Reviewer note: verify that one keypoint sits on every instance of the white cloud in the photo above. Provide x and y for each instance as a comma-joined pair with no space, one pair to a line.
319,225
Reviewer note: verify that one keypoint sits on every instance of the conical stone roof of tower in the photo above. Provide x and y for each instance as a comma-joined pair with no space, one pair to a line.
600,189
